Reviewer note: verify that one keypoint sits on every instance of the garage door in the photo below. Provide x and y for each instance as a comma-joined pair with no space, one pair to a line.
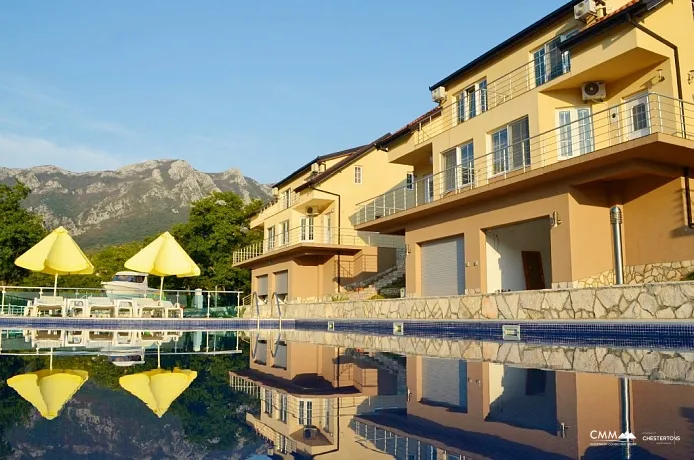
443,267
444,382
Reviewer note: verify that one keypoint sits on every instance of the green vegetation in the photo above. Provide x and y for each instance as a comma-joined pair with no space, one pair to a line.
14,410
218,225
376,297
19,230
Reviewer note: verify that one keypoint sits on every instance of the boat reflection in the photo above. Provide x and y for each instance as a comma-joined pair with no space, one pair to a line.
342,403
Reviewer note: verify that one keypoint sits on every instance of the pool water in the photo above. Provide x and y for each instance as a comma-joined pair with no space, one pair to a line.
341,395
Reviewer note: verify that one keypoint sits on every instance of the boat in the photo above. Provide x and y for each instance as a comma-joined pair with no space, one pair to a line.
127,285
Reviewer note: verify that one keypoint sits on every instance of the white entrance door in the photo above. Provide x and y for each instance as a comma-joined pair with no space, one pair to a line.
637,117
327,223
307,233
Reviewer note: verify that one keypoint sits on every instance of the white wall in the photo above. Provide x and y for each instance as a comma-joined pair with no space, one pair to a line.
504,260
509,381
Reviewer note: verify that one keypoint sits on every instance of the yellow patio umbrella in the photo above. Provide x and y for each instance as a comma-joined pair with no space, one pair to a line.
56,254
158,388
48,390
163,257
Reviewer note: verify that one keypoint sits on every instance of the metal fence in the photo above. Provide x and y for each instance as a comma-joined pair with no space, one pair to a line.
582,133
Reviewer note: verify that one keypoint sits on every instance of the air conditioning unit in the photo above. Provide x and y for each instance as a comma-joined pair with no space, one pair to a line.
275,191
311,211
310,432
439,94
315,168
585,10
594,91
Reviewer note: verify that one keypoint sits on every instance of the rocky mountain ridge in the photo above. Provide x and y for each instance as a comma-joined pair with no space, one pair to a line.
130,203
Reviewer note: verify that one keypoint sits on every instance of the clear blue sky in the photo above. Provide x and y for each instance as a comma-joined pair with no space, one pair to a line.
258,85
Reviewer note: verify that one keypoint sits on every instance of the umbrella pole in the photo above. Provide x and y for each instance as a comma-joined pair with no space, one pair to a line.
158,356
51,359
161,289
55,286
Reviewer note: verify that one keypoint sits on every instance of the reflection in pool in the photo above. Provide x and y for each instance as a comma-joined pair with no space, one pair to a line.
272,394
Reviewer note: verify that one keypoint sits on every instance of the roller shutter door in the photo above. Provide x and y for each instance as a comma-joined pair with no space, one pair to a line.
262,285
444,382
281,282
443,267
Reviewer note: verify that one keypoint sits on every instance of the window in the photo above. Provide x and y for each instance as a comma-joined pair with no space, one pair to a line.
458,165
286,198
358,175
306,413
268,402
409,181
284,235
549,62
575,132
511,147
472,101
271,238
283,407
307,229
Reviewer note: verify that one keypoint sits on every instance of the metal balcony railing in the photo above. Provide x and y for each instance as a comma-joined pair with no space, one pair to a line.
492,94
310,234
278,204
581,134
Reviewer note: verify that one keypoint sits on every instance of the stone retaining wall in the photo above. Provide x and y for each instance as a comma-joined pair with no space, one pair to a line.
663,366
636,274
645,301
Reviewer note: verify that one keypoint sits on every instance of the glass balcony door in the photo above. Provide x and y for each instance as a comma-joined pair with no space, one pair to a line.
307,229
636,117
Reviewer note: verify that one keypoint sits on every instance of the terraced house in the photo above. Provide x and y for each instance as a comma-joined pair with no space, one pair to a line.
311,249
531,145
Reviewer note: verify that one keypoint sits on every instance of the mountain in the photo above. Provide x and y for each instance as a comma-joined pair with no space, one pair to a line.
101,208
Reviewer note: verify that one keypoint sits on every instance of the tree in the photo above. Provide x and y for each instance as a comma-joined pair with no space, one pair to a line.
20,229
217,226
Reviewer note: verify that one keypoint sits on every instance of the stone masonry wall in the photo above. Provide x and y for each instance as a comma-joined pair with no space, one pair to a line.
662,366
636,274
645,301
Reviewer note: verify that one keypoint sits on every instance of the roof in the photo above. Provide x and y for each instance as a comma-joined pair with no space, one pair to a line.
522,35
318,159
342,164
408,127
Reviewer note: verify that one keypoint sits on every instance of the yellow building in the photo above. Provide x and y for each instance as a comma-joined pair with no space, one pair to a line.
309,395
534,142
311,249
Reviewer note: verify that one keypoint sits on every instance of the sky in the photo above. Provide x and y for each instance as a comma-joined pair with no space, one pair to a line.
263,86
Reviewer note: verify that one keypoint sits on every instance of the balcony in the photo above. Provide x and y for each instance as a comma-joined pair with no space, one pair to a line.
315,198
316,240
621,129
536,73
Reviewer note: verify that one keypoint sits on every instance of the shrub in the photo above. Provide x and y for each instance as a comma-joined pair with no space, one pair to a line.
376,297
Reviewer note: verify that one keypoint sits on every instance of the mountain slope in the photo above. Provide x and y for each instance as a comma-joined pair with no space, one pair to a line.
111,207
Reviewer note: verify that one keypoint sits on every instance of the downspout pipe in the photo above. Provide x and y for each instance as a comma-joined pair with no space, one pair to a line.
624,384
339,227
680,96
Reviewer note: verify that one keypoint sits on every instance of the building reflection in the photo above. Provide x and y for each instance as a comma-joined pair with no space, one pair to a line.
343,404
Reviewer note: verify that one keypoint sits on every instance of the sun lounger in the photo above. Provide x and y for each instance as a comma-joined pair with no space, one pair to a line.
124,308
48,338
77,308
50,305
101,306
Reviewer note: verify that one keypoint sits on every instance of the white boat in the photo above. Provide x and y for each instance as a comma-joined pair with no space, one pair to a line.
128,285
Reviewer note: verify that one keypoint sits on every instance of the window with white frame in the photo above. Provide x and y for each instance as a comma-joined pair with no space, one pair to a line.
575,131
286,198
472,101
409,181
458,167
549,61
328,415
307,229
511,147
268,402
283,407
284,235
305,412
271,238
358,175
